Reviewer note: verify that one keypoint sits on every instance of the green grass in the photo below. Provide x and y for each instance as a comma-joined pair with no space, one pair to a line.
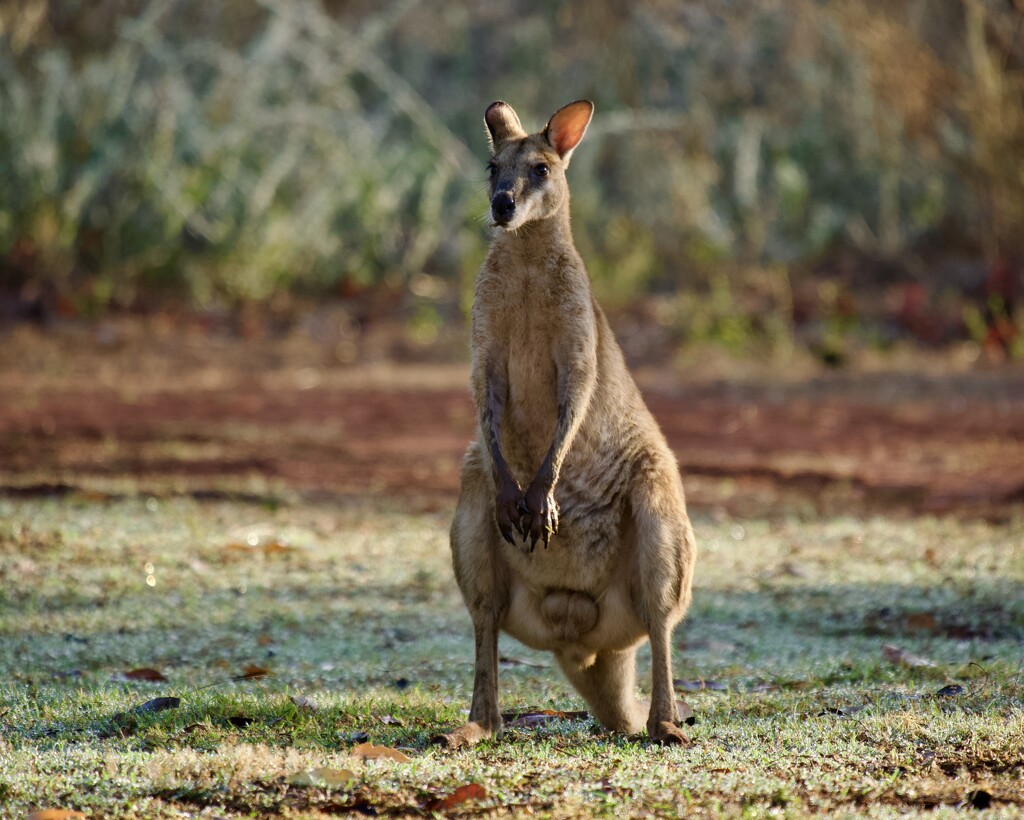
363,617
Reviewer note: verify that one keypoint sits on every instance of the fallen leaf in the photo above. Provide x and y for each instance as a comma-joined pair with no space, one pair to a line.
950,691
331,778
839,711
158,705
253,672
276,548
519,662
240,721
539,717
358,736
264,640
54,814
304,704
367,751
194,727
471,791
390,720
900,657
143,673
778,686
266,548
699,684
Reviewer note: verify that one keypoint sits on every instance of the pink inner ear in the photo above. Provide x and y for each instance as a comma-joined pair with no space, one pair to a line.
567,127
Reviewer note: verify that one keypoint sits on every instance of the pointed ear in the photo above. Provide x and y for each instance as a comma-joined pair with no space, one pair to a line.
502,124
568,125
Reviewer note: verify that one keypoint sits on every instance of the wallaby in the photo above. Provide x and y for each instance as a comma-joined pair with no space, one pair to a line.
560,415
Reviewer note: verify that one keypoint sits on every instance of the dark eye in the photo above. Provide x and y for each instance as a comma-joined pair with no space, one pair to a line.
492,169
541,170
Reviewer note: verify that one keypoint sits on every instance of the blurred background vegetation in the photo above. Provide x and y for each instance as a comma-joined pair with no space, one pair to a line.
758,175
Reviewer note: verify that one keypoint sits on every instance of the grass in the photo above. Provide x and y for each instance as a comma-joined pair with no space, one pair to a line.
354,607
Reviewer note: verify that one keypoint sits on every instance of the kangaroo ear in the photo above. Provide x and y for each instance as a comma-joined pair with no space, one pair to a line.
568,125
502,124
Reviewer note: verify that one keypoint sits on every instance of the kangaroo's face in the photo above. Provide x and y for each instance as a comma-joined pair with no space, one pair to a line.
527,182
527,172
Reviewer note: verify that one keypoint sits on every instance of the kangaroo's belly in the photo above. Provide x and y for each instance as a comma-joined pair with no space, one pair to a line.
575,592
566,619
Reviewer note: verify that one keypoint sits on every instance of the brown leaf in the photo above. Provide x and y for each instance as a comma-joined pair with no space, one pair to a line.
471,791
55,814
264,640
276,548
900,657
253,672
539,717
367,751
142,673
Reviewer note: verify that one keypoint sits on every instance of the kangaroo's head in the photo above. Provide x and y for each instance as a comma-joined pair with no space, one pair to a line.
527,171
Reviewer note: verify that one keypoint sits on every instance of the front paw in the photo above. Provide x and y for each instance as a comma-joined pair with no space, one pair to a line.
508,510
541,519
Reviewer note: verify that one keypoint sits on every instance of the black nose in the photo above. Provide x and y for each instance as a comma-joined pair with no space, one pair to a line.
503,206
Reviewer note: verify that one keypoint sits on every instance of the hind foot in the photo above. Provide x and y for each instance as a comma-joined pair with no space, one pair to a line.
667,734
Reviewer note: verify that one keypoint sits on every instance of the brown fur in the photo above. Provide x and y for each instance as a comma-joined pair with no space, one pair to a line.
566,455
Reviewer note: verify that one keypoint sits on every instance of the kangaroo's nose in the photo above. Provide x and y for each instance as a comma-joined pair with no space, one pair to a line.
503,206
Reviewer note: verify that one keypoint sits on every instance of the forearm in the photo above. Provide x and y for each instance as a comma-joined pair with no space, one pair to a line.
575,392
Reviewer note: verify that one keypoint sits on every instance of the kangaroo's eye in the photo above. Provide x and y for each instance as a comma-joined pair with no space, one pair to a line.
492,169
541,170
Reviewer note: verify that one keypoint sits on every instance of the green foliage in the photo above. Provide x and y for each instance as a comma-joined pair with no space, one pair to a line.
172,160
232,150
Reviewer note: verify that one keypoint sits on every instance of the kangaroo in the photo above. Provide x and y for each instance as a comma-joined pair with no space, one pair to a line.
560,415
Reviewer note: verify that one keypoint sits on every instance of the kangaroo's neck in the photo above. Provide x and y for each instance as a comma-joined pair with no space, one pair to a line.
538,239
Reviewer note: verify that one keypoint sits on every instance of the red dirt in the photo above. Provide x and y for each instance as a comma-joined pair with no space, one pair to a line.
193,414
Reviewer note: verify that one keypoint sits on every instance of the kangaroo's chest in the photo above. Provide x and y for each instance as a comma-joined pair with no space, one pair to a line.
531,329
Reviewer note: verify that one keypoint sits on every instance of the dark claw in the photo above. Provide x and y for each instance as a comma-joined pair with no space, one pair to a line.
507,536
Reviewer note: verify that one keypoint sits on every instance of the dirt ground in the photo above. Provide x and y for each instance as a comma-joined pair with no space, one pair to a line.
170,408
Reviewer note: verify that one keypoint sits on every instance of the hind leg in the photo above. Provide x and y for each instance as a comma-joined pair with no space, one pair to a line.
664,555
607,682
474,556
